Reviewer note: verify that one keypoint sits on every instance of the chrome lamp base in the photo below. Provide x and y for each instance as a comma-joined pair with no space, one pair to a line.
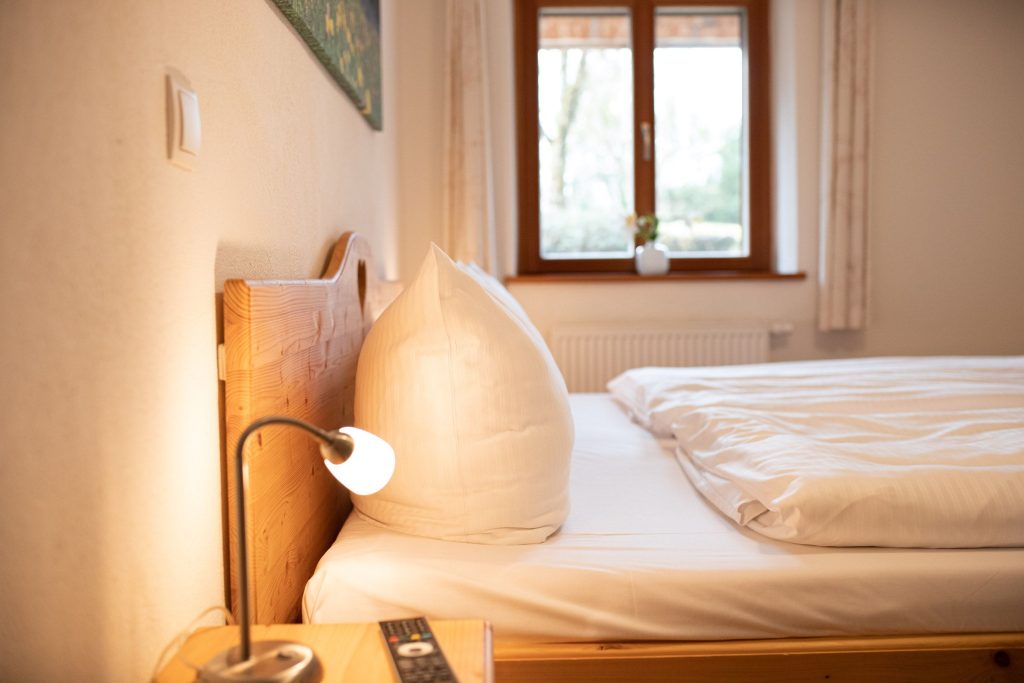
272,661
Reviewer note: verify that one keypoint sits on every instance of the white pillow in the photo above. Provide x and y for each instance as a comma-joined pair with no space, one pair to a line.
497,291
500,294
470,398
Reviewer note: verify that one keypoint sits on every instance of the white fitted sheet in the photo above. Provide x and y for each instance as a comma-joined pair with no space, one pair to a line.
644,556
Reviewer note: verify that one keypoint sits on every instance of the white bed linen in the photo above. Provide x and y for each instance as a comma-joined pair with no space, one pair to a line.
644,556
904,452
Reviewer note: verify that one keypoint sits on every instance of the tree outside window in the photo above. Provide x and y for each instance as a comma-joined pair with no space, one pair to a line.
642,107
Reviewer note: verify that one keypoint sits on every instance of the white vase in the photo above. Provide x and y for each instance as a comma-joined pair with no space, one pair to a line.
651,259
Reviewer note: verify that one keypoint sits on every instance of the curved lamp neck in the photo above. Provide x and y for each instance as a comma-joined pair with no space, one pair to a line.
336,447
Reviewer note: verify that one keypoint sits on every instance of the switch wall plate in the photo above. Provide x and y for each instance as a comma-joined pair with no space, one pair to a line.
184,130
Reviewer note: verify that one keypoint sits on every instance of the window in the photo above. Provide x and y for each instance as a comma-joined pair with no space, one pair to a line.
642,106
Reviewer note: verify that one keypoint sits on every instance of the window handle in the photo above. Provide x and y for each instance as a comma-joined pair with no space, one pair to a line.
645,139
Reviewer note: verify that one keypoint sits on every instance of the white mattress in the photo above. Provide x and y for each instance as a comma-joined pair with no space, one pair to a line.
643,556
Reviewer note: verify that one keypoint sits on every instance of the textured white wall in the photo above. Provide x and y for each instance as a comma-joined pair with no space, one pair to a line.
948,205
110,259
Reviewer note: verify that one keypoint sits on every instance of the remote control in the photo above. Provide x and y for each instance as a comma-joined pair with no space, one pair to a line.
416,656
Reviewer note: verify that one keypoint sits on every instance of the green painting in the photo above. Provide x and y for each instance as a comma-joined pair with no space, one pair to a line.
345,37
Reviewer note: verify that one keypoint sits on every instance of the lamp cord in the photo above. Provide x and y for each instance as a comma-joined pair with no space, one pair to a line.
178,642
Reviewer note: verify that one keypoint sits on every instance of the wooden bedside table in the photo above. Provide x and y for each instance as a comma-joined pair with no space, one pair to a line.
347,652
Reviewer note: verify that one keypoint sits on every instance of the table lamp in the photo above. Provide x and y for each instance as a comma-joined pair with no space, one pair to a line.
363,463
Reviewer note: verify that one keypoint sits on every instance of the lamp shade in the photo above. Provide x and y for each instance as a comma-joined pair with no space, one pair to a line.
370,466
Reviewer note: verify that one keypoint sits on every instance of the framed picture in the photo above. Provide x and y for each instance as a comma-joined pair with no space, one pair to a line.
345,36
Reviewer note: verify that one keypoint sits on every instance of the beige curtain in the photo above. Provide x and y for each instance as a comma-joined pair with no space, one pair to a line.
468,210
843,267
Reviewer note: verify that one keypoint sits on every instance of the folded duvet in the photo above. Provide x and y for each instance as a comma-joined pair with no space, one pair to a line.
905,452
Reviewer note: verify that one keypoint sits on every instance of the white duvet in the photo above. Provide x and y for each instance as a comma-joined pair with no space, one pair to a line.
901,452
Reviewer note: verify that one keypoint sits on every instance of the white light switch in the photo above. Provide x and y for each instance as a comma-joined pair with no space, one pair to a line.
191,130
184,130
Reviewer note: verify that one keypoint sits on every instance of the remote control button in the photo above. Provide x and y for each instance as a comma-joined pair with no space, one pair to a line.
415,649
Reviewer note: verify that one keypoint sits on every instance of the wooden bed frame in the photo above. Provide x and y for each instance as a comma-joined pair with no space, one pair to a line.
291,348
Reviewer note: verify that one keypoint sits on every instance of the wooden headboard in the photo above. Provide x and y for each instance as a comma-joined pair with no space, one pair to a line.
291,348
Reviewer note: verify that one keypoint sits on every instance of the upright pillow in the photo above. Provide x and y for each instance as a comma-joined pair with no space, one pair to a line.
505,298
470,398
497,291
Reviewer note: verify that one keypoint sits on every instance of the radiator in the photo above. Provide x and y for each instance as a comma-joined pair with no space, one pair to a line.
591,355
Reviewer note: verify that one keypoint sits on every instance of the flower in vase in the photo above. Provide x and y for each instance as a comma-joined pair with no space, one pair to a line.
644,227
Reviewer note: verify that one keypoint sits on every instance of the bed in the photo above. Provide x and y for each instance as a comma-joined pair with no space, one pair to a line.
734,605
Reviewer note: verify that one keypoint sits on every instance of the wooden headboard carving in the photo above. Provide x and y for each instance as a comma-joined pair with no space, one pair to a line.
291,348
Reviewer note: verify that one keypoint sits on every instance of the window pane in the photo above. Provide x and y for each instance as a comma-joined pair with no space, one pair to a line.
585,100
699,93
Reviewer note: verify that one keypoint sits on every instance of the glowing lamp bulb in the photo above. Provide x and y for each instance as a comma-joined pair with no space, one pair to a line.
370,466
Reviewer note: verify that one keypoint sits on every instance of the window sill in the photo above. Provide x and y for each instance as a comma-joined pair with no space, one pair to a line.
678,276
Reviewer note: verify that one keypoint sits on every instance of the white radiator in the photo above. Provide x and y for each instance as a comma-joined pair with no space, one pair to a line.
590,355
